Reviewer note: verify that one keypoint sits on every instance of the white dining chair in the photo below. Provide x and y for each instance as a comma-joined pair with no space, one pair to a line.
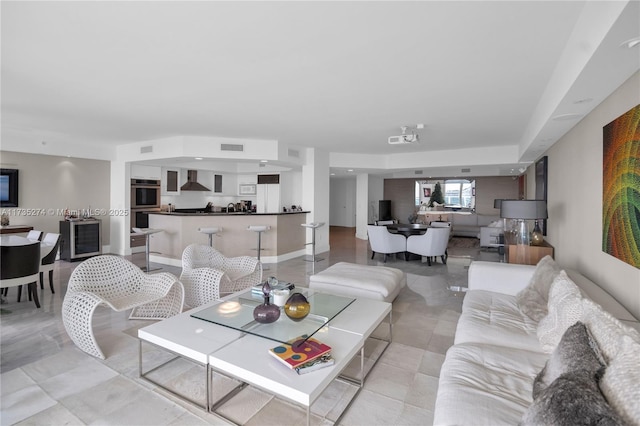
384,242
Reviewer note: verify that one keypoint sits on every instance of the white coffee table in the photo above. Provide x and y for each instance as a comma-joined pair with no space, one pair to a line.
244,357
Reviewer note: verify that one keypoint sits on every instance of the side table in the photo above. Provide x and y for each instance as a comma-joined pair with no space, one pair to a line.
528,255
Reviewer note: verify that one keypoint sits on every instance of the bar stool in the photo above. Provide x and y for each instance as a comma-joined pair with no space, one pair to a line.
313,226
259,229
211,231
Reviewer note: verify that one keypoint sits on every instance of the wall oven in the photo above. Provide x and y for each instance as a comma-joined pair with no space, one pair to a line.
145,194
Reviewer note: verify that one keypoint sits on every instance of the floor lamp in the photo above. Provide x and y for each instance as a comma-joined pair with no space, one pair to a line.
521,211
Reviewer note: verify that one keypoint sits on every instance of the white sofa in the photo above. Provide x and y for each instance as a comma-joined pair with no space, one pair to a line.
488,374
464,224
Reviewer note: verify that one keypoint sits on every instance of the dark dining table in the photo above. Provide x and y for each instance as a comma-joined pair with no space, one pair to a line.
407,229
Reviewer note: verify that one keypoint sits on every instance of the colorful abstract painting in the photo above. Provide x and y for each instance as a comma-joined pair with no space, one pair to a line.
621,188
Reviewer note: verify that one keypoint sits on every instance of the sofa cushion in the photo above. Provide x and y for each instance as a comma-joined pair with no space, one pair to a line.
533,298
482,384
495,319
621,381
565,309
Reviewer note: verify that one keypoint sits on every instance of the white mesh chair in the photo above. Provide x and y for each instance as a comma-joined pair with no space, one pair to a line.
119,284
207,274
384,242
432,243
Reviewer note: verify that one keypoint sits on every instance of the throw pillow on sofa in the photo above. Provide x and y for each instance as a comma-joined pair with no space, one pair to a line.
577,350
573,397
621,381
565,309
532,300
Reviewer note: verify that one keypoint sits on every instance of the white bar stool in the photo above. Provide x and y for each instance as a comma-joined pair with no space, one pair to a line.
259,229
313,226
211,231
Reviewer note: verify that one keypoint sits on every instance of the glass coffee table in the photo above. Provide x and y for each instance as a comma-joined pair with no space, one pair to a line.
237,313
223,338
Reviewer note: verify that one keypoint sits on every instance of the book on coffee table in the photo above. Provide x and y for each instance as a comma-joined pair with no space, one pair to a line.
298,351
325,360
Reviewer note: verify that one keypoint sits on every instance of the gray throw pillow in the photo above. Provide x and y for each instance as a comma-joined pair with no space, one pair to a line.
532,300
572,399
566,391
577,350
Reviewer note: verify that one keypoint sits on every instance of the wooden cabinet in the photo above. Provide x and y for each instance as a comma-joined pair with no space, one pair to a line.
528,255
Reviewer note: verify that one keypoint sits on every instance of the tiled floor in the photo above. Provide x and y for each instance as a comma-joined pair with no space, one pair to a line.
46,380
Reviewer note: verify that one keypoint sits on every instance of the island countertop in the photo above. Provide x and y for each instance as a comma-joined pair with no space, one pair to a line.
285,239
178,213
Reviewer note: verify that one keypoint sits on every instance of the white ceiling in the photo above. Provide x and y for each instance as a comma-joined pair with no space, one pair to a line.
343,76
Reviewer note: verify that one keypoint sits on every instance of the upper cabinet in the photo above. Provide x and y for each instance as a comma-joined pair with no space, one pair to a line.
170,181
139,171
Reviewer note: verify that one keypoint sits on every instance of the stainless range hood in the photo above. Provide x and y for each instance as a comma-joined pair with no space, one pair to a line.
192,182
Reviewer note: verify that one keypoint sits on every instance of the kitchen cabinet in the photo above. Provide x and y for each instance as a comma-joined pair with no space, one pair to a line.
140,171
268,198
170,181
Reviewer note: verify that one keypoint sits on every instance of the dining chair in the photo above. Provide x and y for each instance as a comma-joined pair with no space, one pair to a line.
49,248
432,243
34,235
384,242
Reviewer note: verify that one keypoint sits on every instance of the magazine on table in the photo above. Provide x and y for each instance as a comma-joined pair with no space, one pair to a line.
325,360
299,351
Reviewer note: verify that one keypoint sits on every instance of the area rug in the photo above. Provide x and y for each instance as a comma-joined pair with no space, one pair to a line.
464,242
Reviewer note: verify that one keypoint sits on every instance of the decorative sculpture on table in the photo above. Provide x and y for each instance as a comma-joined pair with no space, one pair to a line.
266,312
297,307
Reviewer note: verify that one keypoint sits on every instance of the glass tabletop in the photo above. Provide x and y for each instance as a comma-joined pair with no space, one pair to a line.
237,313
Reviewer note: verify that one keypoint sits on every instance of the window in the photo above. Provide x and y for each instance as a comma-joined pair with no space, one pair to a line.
458,193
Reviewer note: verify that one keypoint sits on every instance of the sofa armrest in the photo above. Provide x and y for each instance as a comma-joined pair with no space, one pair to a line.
506,278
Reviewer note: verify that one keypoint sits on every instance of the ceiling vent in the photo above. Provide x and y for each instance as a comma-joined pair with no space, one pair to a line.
294,153
146,149
192,182
465,170
231,147
417,172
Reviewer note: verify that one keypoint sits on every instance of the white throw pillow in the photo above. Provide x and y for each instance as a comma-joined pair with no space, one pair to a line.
565,309
621,381
532,300
606,329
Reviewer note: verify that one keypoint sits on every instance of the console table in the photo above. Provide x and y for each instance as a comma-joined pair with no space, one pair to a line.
15,229
528,255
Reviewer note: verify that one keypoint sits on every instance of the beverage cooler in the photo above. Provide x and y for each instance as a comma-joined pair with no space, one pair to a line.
80,239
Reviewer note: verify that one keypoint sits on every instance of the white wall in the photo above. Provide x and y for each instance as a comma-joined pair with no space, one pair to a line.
575,200
48,184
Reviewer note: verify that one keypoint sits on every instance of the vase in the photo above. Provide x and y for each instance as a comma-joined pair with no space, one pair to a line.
266,312
536,235
297,307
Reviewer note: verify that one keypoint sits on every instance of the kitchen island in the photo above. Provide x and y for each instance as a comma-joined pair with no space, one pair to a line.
285,240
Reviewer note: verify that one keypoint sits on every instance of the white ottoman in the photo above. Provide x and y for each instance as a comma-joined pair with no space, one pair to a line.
350,279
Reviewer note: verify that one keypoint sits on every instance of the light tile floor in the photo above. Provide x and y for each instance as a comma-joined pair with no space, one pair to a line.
46,380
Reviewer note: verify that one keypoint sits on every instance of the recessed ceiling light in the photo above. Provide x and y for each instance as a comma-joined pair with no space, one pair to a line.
631,43
566,117
264,161
350,170
198,158
332,174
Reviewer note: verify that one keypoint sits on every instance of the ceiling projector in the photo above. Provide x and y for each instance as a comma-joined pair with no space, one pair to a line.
402,139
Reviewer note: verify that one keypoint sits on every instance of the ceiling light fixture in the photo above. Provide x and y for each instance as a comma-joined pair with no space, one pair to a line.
264,161
631,43
198,158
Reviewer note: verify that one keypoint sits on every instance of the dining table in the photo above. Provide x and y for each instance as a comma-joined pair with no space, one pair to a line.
407,229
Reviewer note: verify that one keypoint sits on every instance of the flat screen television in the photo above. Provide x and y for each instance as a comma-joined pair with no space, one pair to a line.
8,188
